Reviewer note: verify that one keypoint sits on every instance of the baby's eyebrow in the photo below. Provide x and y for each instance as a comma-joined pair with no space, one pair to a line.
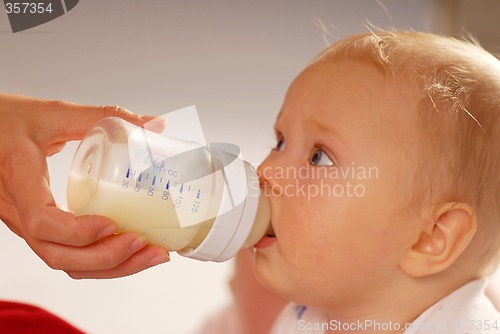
275,126
322,127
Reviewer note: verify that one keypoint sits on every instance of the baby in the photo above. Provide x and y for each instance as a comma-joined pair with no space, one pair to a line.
385,189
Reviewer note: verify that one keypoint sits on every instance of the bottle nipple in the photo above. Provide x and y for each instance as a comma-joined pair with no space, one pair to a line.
261,223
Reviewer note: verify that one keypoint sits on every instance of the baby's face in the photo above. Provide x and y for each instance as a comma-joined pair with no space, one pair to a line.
339,236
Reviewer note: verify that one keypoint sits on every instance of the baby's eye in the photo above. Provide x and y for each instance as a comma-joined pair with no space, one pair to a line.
319,158
280,145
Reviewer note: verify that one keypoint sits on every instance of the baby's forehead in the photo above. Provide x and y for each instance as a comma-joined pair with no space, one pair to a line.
355,92
354,103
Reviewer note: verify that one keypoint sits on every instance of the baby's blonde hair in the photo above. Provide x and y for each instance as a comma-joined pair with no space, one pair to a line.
459,120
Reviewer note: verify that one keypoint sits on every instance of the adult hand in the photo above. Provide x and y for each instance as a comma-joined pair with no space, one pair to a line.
84,247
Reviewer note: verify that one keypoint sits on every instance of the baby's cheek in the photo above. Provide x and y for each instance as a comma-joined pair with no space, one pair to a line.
302,240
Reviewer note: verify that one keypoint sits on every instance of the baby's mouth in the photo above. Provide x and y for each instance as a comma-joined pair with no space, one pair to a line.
270,232
267,239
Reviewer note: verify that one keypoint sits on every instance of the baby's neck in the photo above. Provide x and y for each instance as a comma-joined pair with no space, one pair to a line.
393,319
391,310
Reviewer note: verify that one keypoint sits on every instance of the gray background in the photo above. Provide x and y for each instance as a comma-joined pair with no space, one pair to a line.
232,59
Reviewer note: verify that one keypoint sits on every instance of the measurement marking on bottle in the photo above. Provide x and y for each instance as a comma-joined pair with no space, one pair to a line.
178,202
128,173
168,185
140,178
182,189
198,194
154,181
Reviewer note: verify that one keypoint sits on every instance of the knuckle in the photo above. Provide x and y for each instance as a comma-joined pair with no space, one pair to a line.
115,111
79,238
107,259
56,107
32,226
56,104
52,259
75,275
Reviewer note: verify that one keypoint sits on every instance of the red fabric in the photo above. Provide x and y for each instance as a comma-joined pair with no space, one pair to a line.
17,318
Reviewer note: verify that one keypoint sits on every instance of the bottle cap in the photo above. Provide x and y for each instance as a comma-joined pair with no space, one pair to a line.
237,212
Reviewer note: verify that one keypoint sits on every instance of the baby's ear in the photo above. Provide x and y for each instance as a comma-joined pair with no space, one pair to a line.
442,238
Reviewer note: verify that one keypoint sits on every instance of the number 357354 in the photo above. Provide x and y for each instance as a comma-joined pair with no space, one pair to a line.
28,7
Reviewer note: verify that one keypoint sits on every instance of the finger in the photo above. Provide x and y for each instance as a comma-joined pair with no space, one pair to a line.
51,224
83,117
102,255
56,111
145,258
30,193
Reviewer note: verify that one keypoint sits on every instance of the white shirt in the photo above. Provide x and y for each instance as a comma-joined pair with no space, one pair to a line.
465,311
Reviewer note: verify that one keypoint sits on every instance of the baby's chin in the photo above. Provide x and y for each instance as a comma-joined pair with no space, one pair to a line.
265,274
275,288
271,279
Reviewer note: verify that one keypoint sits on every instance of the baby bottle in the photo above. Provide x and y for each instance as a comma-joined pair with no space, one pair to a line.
202,201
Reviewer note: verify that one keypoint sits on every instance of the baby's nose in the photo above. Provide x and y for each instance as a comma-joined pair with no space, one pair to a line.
271,180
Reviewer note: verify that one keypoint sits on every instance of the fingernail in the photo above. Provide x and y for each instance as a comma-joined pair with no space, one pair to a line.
157,124
159,259
108,230
137,244
147,117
